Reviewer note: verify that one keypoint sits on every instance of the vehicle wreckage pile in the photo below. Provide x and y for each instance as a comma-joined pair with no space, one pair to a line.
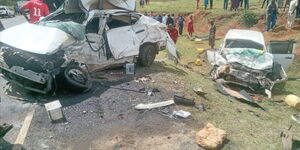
245,60
80,36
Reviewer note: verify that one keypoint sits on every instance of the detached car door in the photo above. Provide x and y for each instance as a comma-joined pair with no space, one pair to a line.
283,52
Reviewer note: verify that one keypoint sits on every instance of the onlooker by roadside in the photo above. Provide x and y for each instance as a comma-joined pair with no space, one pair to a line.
159,18
172,32
271,15
246,4
174,20
181,21
205,4
212,34
37,9
292,13
197,4
190,27
142,3
170,20
164,19
225,4
211,2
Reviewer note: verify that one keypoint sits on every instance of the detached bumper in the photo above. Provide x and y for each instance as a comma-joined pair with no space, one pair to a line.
37,82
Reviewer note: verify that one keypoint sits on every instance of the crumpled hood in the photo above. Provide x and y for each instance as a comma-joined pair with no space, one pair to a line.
35,39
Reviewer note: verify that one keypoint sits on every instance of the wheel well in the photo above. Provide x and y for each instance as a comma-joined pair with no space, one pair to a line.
149,43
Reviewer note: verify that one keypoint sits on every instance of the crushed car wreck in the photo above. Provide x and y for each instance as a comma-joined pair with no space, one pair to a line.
245,60
79,34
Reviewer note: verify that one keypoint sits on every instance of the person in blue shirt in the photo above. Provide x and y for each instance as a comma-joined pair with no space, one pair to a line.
181,21
271,15
159,18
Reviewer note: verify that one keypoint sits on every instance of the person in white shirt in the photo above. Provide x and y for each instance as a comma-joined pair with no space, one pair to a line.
164,18
292,13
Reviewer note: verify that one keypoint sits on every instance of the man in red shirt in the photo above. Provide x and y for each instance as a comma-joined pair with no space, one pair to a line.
37,9
172,32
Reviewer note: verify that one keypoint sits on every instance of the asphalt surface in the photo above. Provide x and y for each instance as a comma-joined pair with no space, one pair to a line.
10,22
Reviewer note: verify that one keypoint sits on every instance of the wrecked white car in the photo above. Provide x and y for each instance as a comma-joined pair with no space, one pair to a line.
244,59
80,34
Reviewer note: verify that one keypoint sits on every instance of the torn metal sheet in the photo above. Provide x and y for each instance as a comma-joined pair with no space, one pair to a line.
243,95
154,105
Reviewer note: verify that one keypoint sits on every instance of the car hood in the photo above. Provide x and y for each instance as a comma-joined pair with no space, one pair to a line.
35,39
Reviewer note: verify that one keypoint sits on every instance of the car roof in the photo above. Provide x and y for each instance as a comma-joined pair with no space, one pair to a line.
246,35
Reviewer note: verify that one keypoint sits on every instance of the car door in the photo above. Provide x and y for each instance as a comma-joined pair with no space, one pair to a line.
122,38
283,52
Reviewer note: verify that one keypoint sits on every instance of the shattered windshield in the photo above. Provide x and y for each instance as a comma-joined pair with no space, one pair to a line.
239,43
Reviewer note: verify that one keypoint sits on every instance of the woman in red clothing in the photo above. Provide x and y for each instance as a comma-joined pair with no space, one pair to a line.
190,26
173,32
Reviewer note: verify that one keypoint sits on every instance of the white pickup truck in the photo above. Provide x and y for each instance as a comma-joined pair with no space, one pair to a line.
244,59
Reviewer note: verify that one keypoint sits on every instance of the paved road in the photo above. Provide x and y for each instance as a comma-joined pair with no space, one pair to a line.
9,22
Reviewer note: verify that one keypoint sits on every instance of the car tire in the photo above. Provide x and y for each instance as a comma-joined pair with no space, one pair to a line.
147,55
77,78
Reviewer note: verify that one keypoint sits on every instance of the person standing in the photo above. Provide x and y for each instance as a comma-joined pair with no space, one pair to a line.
174,20
263,4
246,4
225,4
172,32
142,2
180,24
37,9
170,20
234,5
271,15
197,4
212,34
159,18
292,13
205,4
190,26
211,3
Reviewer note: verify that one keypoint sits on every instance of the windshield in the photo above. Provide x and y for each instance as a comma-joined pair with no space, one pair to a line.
2,8
239,43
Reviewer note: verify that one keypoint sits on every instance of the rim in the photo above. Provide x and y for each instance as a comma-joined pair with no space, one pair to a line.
77,76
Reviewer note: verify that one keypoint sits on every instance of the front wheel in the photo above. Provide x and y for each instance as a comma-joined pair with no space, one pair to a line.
147,55
78,78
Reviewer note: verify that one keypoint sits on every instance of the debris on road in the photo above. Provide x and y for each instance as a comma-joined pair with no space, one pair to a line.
198,62
243,95
181,113
183,101
202,107
4,128
296,117
54,110
287,138
143,79
199,91
293,101
130,68
154,105
210,137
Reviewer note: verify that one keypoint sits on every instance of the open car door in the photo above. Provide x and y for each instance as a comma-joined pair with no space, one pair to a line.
283,52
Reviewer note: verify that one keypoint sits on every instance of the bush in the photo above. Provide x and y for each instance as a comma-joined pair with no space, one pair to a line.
249,18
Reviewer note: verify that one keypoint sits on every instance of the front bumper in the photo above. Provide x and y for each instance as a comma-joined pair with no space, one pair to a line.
30,80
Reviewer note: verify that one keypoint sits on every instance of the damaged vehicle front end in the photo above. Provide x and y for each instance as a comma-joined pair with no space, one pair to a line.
245,60
71,41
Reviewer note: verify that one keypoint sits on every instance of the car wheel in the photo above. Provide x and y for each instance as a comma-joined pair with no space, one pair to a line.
78,78
147,55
